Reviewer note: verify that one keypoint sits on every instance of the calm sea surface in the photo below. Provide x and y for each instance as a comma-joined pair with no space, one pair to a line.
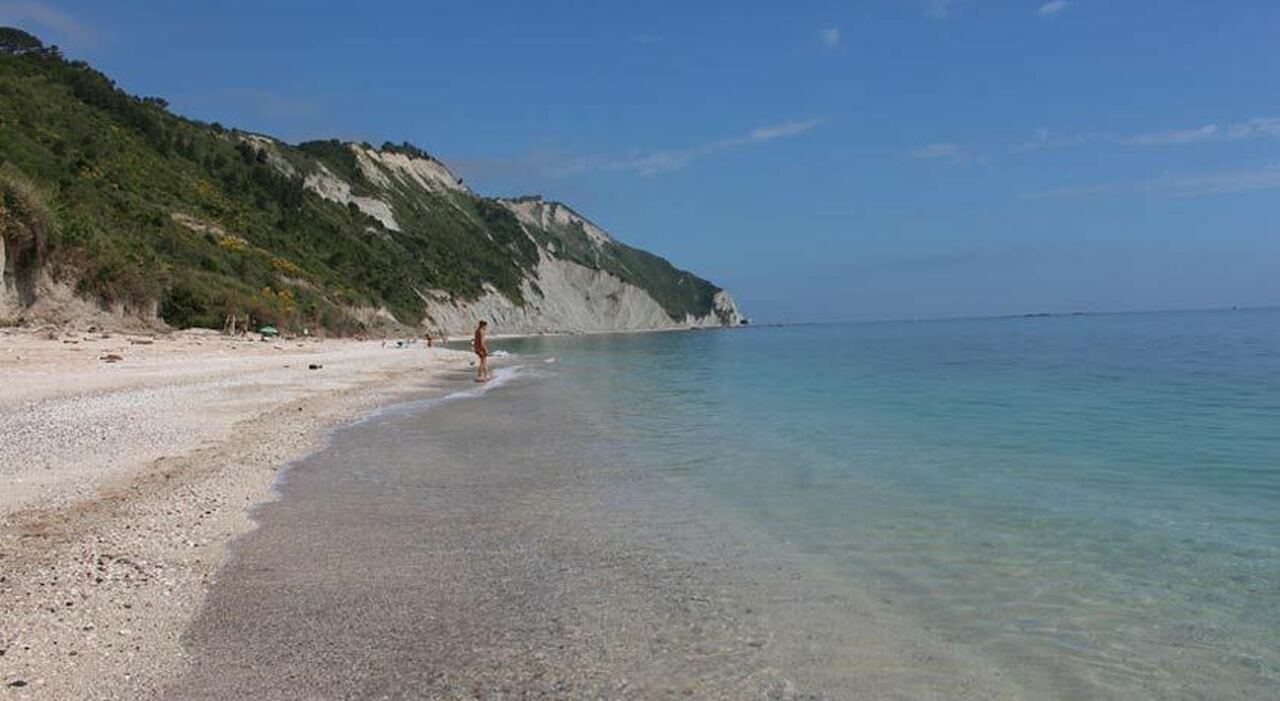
1091,504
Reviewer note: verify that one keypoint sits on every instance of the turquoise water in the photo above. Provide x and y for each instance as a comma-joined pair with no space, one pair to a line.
1091,504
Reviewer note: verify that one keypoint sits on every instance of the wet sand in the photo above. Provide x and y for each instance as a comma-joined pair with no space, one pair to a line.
500,547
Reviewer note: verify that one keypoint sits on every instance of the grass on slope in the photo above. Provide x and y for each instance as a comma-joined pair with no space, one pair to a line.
117,170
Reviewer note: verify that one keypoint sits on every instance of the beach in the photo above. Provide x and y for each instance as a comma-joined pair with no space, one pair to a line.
977,509
530,565
126,479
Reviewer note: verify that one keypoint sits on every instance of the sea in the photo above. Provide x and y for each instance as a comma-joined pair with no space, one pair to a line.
1089,504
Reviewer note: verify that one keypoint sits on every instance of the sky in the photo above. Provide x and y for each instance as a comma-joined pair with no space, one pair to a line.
824,161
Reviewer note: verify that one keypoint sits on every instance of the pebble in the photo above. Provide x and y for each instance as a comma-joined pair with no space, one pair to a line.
132,569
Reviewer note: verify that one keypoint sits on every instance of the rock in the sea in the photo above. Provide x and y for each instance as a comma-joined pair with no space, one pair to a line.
314,366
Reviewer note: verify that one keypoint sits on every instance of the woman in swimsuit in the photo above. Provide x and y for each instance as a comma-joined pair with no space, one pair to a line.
482,351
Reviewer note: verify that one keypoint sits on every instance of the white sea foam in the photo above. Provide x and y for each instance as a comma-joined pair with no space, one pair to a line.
501,377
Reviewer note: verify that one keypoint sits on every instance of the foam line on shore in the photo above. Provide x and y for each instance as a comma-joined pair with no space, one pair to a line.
501,377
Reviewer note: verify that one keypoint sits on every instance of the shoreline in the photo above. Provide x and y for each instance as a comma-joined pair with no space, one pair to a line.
505,548
128,480
108,571
464,340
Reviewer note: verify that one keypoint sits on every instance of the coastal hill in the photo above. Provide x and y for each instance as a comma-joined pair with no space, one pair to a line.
111,205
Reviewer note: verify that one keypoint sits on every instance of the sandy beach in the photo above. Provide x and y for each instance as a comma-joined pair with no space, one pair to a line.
130,461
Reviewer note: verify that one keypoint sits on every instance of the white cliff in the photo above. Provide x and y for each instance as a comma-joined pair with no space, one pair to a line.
568,298
560,295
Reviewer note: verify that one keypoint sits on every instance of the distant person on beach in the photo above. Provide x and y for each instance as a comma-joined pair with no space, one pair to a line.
482,351
428,334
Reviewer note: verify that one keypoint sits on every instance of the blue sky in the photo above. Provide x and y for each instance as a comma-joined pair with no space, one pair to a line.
823,160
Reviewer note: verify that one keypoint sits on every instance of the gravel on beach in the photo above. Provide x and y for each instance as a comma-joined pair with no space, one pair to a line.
125,482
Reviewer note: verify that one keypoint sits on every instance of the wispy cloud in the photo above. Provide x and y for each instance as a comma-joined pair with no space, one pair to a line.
830,37
1258,127
1265,178
935,152
48,17
657,162
557,164
1187,185
1174,136
776,131
938,9
1053,7
1049,138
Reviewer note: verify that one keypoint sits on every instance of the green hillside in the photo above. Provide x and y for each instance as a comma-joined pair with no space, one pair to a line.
143,210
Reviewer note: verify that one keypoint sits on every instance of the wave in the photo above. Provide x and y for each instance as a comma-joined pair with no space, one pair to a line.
501,376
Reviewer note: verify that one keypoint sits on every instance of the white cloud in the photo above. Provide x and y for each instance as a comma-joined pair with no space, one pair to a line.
830,37
1048,138
783,129
28,12
938,9
1192,185
1175,136
1265,178
667,160
935,151
1256,128
1053,7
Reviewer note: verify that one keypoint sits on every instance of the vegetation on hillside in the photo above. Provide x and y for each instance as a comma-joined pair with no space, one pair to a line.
138,206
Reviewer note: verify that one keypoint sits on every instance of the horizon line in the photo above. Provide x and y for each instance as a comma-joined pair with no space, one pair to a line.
1020,315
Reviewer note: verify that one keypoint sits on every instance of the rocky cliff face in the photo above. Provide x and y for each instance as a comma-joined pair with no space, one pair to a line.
576,285
565,297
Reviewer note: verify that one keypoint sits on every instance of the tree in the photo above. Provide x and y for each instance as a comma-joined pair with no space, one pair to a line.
16,41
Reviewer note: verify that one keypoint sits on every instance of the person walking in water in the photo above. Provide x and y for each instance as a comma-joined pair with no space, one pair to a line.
482,351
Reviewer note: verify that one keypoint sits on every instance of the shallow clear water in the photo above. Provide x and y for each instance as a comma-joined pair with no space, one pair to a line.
1091,503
